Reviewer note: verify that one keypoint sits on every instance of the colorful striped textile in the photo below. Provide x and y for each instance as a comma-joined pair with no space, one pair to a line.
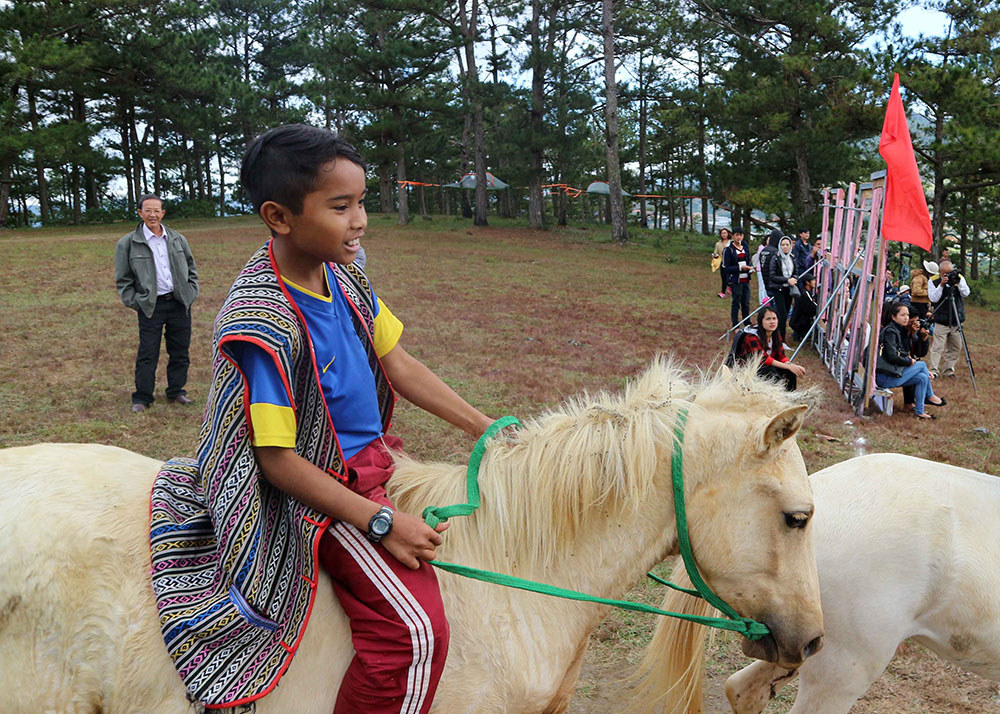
233,558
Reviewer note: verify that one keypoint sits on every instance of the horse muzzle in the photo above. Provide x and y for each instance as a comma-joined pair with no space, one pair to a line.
782,649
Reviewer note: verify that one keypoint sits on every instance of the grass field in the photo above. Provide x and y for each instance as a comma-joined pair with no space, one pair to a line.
515,320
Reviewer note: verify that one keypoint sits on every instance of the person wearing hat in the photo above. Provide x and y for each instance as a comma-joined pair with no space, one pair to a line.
904,297
947,292
919,279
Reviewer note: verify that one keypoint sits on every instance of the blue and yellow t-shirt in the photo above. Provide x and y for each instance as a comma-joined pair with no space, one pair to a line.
344,374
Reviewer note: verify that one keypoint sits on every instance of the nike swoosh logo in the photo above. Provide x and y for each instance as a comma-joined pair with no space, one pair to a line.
328,364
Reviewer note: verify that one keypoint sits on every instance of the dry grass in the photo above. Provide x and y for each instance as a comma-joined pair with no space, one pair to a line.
515,320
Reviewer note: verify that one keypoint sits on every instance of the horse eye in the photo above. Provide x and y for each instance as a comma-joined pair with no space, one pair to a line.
796,520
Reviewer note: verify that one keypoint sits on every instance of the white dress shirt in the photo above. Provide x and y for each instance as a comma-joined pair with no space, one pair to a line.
161,258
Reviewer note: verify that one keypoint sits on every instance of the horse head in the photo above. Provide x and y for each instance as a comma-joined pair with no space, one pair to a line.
749,529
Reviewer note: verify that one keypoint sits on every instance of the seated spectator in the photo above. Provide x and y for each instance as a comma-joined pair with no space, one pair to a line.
805,309
766,340
904,297
895,366
920,344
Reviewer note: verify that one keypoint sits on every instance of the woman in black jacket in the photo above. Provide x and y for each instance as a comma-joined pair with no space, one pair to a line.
896,368
780,279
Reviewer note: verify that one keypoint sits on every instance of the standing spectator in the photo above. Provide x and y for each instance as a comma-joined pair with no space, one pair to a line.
918,287
780,280
805,308
725,235
801,252
895,366
764,340
765,255
947,292
736,268
155,276
762,295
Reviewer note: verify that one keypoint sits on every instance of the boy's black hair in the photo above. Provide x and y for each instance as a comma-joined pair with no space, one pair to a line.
282,164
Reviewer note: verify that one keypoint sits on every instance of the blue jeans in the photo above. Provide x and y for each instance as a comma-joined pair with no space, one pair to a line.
917,375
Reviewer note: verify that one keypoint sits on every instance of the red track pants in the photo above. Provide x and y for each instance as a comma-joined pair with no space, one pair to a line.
398,625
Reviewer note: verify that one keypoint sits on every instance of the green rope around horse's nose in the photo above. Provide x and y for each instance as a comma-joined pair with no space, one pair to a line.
432,515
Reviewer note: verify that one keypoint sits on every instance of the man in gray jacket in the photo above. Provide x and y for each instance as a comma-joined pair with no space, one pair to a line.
156,277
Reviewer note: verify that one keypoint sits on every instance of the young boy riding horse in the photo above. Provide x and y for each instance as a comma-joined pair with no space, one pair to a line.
293,458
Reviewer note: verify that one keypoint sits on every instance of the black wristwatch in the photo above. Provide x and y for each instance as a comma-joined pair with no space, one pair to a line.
380,524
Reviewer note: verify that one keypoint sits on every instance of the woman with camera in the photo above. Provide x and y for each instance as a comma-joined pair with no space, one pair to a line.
897,368
765,340
781,280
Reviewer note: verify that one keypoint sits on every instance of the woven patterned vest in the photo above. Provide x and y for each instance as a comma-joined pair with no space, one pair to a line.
234,571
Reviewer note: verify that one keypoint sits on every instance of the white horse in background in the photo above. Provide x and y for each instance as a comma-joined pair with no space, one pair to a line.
580,498
905,548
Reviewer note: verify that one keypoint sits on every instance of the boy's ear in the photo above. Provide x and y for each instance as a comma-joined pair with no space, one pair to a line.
276,217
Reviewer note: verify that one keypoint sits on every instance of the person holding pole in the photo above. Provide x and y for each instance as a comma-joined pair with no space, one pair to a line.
736,267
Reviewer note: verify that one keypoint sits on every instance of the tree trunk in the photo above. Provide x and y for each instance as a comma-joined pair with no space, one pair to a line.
619,232
937,215
136,153
43,184
469,24
403,205
385,188
157,182
963,240
126,155
702,166
4,192
535,127
976,243
642,145
803,187
222,177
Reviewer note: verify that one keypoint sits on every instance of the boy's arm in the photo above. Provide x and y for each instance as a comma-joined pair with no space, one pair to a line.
410,540
418,385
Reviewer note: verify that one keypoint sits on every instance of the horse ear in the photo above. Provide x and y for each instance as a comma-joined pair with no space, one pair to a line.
783,426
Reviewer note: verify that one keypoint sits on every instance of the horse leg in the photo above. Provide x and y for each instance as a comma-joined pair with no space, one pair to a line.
833,680
750,689
560,702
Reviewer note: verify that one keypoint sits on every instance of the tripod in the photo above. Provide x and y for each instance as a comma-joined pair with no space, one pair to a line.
961,331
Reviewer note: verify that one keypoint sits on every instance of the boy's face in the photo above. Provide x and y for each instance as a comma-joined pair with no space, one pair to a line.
333,217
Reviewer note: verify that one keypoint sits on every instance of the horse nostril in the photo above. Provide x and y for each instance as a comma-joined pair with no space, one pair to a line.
814,646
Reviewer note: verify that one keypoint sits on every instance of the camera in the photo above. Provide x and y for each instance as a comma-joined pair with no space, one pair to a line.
923,323
953,277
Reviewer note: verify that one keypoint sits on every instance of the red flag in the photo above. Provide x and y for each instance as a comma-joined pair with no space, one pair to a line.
905,217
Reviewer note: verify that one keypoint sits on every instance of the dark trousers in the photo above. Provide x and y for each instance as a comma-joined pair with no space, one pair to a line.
921,308
779,375
170,317
724,285
741,301
780,300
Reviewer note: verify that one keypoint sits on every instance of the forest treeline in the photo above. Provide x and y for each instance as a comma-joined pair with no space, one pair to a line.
754,107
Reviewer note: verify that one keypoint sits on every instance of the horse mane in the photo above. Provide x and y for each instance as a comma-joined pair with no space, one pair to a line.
596,452
669,677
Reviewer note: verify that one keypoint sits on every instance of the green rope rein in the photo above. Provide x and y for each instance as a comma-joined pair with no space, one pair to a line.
432,515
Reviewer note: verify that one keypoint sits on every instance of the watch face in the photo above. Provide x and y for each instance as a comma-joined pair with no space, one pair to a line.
380,525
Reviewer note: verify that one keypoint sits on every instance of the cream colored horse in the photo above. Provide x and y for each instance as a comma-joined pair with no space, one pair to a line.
905,548
579,498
